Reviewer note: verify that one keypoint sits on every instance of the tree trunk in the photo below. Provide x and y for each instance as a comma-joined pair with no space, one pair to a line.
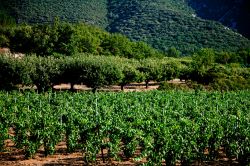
147,84
122,87
94,90
71,87
39,88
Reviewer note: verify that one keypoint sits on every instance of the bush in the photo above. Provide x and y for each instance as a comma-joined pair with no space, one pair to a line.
195,86
4,41
171,86
231,84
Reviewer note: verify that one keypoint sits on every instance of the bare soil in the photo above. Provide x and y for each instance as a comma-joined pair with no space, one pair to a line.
133,87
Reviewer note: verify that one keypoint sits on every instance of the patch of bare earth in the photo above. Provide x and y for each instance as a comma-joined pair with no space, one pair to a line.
133,87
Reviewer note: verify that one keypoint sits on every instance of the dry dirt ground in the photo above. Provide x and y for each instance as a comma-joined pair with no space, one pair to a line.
135,87
132,87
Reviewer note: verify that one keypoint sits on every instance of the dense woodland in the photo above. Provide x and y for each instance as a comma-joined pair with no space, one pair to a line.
162,23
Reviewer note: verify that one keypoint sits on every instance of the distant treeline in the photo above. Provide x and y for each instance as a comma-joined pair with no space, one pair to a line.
68,39
61,38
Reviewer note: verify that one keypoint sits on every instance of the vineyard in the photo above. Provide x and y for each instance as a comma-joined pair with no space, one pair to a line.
165,127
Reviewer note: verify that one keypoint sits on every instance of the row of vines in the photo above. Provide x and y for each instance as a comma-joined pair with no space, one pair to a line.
165,127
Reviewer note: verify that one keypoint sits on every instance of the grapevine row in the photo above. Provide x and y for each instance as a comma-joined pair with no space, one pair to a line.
166,127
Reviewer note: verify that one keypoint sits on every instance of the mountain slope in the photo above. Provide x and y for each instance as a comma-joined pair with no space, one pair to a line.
43,11
172,24
231,13
161,23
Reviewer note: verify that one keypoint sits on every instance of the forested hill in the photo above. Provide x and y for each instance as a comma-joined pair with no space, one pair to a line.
161,23
166,23
44,11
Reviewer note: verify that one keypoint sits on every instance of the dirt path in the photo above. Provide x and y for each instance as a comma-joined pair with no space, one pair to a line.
132,87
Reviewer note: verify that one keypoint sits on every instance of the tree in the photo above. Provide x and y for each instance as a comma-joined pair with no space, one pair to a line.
99,74
130,74
72,70
203,60
44,72
170,70
151,70
173,52
205,57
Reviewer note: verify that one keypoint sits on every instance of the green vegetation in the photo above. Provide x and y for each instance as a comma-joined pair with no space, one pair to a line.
34,11
170,27
232,14
225,77
163,24
99,71
68,39
93,71
6,20
193,123
57,60
167,127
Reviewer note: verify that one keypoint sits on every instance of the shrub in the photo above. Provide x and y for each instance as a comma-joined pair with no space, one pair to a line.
172,86
231,83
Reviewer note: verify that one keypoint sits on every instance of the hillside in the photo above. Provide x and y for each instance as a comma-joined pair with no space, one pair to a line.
231,13
172,24
37,11
161,23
